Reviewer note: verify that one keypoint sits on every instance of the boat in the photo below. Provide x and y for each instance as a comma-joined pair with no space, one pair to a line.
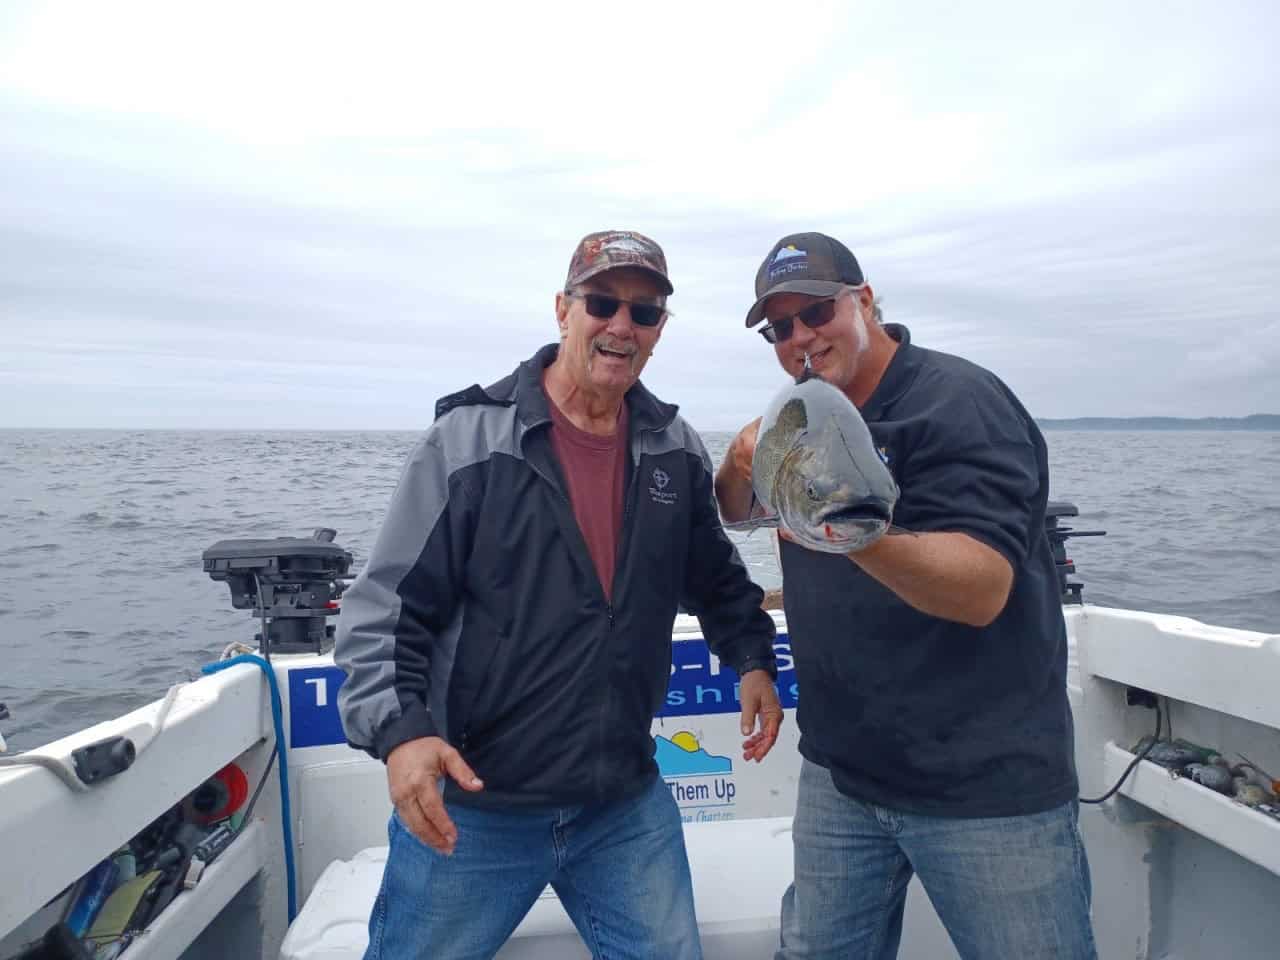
230,819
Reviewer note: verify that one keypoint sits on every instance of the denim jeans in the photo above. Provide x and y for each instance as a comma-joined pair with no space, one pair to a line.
1004,887
620,871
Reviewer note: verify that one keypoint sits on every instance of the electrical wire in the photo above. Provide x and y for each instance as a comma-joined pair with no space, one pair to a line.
1136,760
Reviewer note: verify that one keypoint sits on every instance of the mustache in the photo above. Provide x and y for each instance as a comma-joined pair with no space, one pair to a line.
615,346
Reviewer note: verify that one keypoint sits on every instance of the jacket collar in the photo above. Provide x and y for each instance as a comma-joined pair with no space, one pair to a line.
897,377
523,387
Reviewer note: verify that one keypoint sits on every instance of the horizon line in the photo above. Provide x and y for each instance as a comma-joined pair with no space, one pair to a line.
415,429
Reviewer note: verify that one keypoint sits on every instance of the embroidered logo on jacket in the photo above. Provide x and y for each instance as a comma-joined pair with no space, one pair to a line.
658,492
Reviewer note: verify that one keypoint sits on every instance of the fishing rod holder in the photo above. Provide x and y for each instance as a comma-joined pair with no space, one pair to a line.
292,584
1069,584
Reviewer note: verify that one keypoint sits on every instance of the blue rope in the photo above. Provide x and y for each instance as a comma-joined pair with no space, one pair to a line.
277,717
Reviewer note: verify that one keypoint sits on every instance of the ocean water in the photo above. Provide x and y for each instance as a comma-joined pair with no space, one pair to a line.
103,602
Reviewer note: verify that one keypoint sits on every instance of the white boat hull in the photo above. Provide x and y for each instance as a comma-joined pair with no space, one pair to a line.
1175,868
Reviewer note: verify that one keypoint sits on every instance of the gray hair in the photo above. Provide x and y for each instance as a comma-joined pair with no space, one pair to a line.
876,313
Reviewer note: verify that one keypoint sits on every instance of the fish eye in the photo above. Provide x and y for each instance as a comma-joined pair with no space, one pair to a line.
811,490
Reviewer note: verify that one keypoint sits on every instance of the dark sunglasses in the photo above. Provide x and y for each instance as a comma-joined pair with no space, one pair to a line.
813,316
602,307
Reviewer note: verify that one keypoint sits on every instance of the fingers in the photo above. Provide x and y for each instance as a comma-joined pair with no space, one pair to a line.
759,702
439,831
413,771
462,774
743,447
749,709
771,722
758,745
415,812
772,717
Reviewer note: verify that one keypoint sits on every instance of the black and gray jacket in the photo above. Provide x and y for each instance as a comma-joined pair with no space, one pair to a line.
480,618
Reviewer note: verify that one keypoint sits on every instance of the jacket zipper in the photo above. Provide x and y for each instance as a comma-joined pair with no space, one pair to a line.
623,540
624,535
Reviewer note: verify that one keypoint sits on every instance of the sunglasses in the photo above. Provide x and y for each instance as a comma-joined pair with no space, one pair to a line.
813,316
602,307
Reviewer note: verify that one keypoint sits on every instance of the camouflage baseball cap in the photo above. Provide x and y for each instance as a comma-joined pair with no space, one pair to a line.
610,249
810,263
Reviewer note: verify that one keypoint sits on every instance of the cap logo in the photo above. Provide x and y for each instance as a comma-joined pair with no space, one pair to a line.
788,259
629,245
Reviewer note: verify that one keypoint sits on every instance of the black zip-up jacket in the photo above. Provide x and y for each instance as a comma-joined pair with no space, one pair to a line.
480,618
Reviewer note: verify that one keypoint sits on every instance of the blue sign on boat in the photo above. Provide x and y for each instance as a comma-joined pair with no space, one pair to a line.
700,685
313,707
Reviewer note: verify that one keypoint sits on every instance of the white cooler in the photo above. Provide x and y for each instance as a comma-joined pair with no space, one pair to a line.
740,870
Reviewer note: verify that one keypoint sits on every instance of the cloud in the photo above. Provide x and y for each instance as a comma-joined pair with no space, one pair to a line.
285,218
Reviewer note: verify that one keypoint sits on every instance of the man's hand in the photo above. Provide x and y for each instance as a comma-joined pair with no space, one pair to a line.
733,480
743,449
759,699
413,769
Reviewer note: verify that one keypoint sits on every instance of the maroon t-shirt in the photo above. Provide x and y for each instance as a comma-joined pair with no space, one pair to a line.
595,471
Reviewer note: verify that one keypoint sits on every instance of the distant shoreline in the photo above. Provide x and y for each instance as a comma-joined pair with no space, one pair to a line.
1257,421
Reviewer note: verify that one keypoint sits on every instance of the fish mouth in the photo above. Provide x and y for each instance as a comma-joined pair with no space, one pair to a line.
872,510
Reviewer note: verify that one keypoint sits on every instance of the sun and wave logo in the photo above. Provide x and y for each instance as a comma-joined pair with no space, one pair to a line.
701,783
684,756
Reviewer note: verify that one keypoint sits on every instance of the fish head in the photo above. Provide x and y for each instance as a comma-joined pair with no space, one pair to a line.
825,480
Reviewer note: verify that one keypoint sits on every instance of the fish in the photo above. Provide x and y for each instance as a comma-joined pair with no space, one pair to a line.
817,471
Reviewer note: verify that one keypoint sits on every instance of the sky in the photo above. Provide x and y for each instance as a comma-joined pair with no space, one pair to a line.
327,216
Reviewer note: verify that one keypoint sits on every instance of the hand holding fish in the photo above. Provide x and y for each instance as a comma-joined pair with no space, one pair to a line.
816,469
733,480
743,448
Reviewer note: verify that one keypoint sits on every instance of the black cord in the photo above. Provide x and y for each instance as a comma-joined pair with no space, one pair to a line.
248,811
1136,760
262,607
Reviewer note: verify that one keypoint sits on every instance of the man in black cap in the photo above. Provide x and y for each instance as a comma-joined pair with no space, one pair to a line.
935,726
510,636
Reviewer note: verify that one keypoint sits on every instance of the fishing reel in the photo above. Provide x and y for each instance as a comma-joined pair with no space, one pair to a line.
292,584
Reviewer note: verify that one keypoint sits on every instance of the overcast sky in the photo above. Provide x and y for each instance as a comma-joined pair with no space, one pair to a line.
267,215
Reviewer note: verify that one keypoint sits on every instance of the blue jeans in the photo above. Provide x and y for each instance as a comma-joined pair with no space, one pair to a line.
1004,887
620,871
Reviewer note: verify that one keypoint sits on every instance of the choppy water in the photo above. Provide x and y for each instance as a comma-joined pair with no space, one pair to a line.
103,602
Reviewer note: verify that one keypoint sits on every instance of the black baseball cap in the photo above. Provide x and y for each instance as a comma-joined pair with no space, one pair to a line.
810,263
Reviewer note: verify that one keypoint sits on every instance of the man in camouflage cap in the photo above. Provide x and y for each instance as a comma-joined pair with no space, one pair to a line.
510,636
